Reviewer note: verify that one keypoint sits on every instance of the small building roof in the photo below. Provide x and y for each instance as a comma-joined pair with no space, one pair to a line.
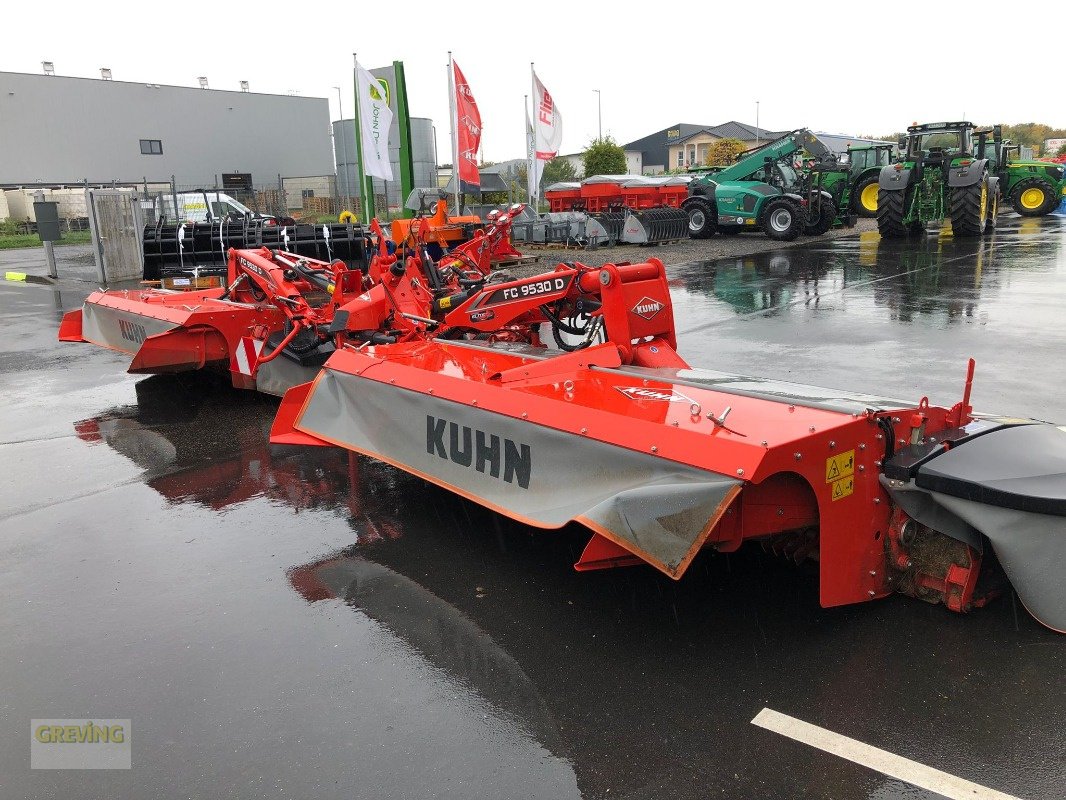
839,142
733,130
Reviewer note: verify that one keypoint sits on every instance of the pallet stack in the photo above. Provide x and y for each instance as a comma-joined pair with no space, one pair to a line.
319,205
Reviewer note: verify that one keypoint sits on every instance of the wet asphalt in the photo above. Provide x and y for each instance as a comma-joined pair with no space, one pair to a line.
288,622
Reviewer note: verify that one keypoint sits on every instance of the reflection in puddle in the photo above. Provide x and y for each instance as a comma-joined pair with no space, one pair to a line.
437,630
935,274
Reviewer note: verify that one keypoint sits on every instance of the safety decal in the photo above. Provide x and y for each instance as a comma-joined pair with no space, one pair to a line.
843,487
837,467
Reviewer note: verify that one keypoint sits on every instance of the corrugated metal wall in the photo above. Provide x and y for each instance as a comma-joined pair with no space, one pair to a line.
62,130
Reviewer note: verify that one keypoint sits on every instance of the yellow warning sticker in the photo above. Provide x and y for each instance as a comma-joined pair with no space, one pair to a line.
837,467
843,487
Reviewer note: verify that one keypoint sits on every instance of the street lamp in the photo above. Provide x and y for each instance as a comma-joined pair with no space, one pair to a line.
599,114
344,149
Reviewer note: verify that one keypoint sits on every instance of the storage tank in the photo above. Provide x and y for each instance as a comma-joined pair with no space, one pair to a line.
71,203
423,154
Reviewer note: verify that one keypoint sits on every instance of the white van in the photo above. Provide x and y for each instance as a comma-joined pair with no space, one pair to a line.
203,207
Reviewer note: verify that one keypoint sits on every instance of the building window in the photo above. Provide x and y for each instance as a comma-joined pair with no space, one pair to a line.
151,147
681,158
307,194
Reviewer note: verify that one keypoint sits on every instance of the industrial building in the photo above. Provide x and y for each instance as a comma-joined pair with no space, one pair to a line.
63,130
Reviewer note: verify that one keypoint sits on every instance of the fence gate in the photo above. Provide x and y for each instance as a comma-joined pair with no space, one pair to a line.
116,222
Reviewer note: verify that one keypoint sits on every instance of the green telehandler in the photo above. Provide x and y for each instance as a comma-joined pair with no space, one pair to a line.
762,191
940,175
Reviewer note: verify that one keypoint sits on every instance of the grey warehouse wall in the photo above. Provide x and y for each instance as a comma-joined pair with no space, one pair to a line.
58,129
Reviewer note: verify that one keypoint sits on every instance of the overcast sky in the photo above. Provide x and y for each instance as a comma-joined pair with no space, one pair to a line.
839,67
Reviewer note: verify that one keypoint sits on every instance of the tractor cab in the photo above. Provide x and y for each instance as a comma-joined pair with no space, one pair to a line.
860,159
781,174
938,142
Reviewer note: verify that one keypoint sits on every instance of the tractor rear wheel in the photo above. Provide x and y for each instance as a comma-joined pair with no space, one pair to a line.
969,208
864,196
993,212
702,218
891,209
827,214
1033,198
782,219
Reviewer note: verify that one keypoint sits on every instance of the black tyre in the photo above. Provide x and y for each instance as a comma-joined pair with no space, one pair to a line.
702,218
993,212
864,197
1033,197
891,208
783,219
969,208
827,214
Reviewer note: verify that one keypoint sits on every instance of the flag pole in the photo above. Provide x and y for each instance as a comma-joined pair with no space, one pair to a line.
533,201
530,167
455,128
359,144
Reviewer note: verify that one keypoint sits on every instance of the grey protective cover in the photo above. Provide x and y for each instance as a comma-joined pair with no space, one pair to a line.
660,510
278,376
119,329
774,390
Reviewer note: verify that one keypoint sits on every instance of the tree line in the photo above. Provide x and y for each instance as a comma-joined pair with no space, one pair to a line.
1028,134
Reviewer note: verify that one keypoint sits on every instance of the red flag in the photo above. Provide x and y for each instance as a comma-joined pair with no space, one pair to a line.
468,130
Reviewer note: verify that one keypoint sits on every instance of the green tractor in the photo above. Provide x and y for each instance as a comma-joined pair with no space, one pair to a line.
1033,188
865,164
941,175
762,191
829,174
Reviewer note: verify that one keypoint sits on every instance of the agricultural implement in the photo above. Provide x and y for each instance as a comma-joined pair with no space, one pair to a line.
183,254
941,176
440,231
613,430
614,209
279,315
439,369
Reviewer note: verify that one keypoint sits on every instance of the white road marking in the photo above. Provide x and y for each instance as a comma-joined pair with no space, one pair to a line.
875,758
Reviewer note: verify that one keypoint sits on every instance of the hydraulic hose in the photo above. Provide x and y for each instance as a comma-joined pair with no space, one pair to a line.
297,326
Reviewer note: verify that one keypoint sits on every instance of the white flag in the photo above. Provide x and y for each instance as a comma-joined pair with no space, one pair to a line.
547,122
375,119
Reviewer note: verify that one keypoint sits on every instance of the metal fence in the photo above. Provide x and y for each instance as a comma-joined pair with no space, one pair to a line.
306,198
65,225
297,197
310,197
